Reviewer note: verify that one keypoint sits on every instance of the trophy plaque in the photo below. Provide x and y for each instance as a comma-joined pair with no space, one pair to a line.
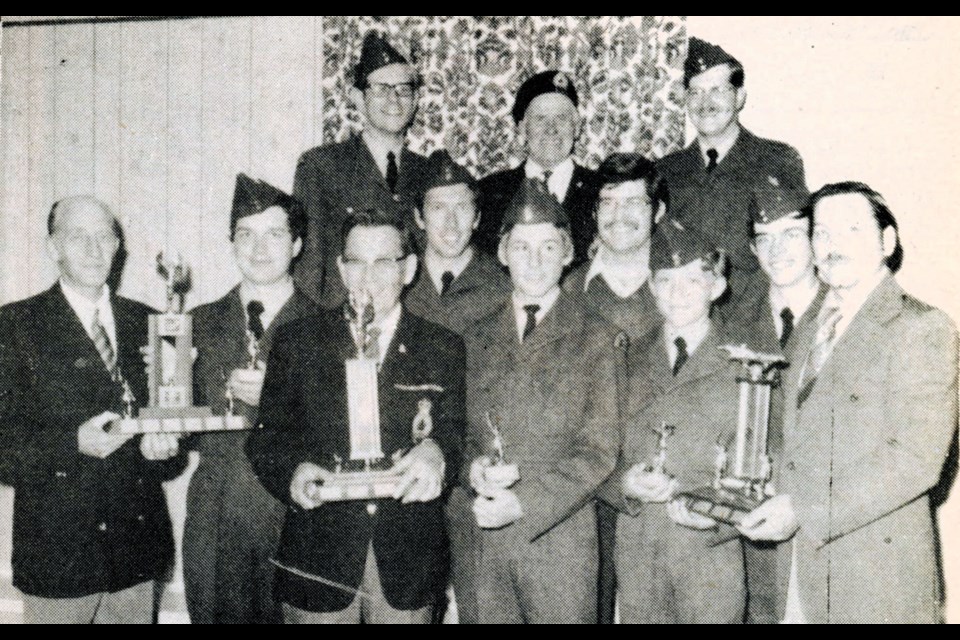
170,374
499,472
735,494
367,474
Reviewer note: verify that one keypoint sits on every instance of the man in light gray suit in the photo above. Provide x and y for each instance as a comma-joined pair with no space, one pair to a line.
871,407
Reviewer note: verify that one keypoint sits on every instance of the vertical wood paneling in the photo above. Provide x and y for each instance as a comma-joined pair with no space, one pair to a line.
73,89
106,111
15,215
143,154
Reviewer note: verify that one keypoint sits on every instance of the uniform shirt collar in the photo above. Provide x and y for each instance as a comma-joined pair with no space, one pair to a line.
388,328
85,309
623,281
435,268
273,299
723,147
545,303
797,299
560,176
378,150
693,335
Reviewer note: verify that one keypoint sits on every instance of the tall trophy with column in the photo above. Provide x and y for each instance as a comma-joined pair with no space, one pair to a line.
736,492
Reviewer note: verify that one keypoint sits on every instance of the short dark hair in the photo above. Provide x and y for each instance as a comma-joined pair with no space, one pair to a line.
881,212
472,186
628,167
737,75
52,217
296,217
374,217
805,213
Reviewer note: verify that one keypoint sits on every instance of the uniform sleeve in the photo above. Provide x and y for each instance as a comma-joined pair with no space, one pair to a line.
549,499
920,415
793,168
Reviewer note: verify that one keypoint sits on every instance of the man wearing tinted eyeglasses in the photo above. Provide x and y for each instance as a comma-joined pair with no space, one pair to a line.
372,169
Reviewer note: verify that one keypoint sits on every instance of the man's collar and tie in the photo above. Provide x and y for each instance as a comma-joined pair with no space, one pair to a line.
271,301
712,156
442,273
380,334
392,173
714,153
530,315
623,281
682,343
557,179
786,324
88,310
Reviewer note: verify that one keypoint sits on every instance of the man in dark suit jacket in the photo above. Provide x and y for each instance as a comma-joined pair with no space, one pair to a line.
91,531
383,560
233,524
373,169
546,108
871,409
711,181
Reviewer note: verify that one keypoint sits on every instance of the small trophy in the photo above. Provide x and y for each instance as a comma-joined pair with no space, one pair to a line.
366,474
734,495
659,465
499,473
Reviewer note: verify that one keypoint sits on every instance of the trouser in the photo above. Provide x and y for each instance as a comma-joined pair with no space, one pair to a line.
607,577
231,533
765,600
133,605
550,580
369,606
463,533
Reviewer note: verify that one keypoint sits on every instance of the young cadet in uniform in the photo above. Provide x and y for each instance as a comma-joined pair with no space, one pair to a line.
233,524
674,566
559,420
381,560
616,284
546,109
871,408
373,169
91,532
711,181
768,322
456,284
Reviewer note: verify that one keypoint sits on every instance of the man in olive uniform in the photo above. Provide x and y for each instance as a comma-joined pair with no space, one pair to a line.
456,284
674,566
233,524
546,109
373,169
769,322
536,555
711,181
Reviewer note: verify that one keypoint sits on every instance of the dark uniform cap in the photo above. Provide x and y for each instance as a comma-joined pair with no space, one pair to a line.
701,55
254,196
539,84
673,246
772,201
376,53
442,171
533,204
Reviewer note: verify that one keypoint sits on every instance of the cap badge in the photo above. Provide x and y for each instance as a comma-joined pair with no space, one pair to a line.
773,181
561,81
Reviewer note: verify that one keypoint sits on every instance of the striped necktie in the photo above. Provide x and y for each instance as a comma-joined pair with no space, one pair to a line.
102,342
820,351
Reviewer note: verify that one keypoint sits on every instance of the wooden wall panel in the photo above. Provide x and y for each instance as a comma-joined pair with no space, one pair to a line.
73,87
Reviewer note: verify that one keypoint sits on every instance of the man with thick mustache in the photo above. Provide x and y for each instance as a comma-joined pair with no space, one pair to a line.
711,180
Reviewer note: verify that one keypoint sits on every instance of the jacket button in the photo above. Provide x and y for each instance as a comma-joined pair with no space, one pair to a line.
791,466
854,397
102,527
892,442
888,540
372,508
61,474
140,518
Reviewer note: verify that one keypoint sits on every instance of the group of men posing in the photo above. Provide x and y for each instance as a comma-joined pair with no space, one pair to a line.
573,312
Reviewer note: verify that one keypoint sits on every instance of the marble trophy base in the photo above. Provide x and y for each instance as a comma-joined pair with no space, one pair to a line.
358,485
728,504
184,420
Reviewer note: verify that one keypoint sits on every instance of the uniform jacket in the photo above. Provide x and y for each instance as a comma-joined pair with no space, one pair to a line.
862,451
475,293
717,203
303,410
328,181
560,418
81,525
498,189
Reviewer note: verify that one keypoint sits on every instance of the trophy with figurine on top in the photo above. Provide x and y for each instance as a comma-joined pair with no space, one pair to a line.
170,370
499,472
732,495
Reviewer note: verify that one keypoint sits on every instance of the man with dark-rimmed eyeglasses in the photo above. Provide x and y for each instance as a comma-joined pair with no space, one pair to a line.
372,169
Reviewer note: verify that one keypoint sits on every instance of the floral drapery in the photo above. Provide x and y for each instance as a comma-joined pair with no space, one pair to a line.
628,72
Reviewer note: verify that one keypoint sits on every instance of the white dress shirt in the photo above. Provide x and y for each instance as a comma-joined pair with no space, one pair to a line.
436,268
722,147
797,299
273,298
560,176
623,280
545,303
85,308
692,334
388,328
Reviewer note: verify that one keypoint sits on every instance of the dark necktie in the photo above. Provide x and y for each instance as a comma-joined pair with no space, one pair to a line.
392,171
254,321
372,348
681,355
787,317
102,342
531,311
445,281
712,160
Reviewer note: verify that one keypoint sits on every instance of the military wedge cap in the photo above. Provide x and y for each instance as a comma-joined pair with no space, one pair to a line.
251,197
442,171
375,53
533,204
701,55
772,201
673,246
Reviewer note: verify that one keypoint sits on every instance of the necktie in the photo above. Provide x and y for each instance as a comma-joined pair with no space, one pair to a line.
254,321
102,342
372,348
392,171
787,317
445,281
712,160
822,345
681,355
531,311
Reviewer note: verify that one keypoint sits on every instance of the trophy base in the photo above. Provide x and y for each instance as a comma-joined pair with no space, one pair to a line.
502,475
358,485
723,505
179,424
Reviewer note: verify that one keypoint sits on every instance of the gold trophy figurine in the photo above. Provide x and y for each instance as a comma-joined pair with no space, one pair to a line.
499,472
659,465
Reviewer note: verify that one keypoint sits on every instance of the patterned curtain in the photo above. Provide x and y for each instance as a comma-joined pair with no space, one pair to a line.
628,72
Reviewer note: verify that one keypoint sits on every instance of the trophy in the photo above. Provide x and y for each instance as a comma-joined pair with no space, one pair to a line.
366,475
734,495
500,473
170,373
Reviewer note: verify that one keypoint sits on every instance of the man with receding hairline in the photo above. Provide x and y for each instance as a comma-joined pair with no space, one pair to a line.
91,531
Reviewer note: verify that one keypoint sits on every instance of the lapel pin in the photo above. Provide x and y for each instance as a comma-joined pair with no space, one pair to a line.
402,348
80,363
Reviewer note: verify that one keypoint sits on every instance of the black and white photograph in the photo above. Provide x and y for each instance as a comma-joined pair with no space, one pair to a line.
479,320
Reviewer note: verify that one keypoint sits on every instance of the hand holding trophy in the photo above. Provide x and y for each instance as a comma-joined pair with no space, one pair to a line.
651,482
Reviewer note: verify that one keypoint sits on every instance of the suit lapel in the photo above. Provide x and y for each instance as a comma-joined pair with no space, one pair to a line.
738,155
705,361
575,188
62,321
366,167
